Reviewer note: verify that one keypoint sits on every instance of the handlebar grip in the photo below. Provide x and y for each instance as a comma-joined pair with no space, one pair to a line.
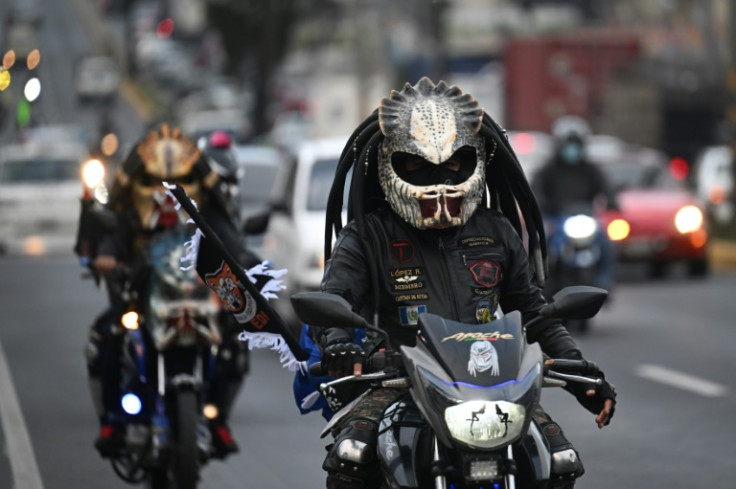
316,370
374,363
583,367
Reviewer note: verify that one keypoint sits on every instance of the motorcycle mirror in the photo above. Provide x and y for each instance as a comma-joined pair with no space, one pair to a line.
257,223
575,302
326,311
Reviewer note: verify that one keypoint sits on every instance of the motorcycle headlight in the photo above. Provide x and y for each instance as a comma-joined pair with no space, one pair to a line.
498,419
485,424
93,172
580,228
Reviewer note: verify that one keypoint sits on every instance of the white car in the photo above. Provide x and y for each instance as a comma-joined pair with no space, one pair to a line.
296,231
96,78
40,188
714,182
262,171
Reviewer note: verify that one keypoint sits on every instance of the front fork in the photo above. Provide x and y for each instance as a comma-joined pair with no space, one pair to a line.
160,420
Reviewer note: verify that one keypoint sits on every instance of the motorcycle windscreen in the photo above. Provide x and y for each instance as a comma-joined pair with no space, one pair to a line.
479,354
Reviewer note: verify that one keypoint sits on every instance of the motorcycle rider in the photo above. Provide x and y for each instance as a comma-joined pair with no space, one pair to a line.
433,227
569,179
142,208
218,148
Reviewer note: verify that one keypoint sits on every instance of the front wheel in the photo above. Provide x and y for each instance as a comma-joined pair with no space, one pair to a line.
185,460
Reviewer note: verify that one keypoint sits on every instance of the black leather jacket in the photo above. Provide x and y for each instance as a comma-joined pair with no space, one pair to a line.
461,273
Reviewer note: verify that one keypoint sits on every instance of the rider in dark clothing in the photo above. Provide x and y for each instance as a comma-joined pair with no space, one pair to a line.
569,183
142,209
569,177
463,273
422,239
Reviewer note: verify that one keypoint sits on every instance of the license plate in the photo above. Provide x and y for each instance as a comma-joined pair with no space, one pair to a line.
637,249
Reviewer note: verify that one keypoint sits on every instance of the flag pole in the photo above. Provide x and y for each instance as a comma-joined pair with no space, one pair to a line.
262,304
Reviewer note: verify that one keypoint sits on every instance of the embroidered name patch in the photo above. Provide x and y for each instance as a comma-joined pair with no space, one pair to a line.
474,241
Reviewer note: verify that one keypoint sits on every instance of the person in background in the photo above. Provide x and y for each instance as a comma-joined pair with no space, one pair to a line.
570,182
142,209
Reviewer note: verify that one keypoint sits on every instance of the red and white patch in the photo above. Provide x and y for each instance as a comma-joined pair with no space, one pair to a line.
486,273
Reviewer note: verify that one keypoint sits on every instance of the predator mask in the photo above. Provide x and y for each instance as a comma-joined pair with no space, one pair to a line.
164,156
438,124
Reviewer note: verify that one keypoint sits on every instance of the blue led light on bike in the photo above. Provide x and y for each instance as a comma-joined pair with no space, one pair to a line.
131,404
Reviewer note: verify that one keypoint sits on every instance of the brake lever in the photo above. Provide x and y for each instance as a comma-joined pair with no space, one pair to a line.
349,378
575,378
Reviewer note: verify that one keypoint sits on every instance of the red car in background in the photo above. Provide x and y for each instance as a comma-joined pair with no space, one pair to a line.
658,221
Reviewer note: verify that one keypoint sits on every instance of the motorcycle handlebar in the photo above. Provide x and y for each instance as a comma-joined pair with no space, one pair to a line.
582,367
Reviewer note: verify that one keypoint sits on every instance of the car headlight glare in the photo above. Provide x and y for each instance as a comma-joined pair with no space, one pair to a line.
485,424
688,219
580,227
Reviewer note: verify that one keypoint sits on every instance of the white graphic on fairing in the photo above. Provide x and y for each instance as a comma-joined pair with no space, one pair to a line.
483,356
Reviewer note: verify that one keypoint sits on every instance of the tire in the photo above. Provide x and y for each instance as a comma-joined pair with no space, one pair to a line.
657,269
159,479
698,268
185,456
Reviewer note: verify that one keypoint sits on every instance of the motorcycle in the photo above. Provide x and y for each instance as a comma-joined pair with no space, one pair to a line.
170,332
169,324
470,390
578,254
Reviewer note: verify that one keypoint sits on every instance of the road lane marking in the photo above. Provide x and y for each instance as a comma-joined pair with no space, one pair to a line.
20,452
681,380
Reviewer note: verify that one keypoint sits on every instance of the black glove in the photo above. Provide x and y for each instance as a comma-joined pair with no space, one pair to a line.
340,353
595,403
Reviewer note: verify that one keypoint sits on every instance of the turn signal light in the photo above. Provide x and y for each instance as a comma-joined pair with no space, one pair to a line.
618,229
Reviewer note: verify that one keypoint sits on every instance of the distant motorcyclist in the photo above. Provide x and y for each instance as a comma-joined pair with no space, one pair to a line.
142,209
422,238
218,149
569,177
569,182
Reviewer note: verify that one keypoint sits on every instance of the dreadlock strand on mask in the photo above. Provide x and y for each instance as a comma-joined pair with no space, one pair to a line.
348,159
357,201
356,208
522,194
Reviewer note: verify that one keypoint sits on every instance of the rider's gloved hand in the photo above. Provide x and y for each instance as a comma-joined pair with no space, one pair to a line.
598,399
340,355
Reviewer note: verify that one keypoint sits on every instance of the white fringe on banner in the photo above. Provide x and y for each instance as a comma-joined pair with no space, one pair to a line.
274,342
310,400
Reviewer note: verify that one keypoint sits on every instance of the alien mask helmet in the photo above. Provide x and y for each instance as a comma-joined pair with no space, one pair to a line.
435,123
164,155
